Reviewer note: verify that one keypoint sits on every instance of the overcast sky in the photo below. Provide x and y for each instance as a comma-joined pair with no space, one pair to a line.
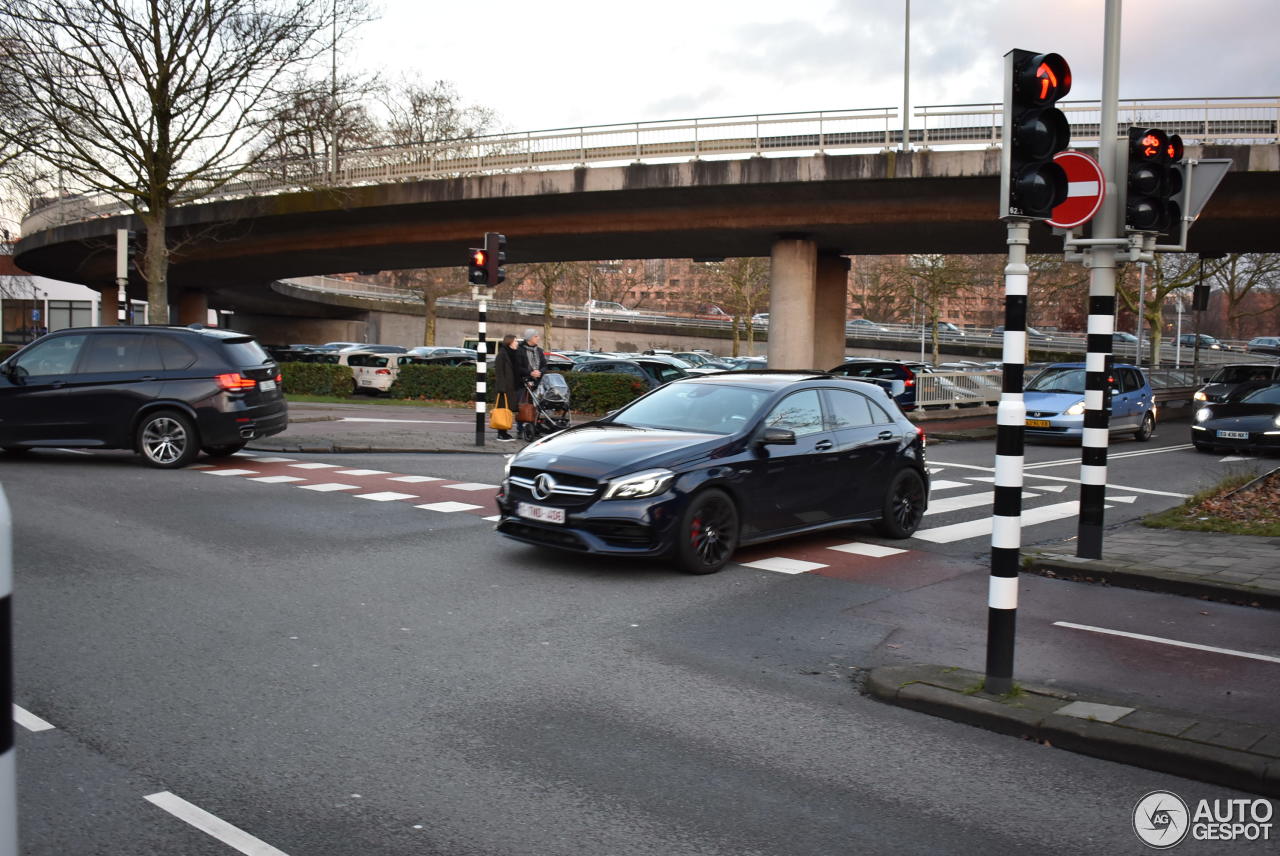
559,63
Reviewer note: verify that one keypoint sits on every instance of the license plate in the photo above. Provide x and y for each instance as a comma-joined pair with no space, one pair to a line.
1037,423
266,385
1233,435
540,512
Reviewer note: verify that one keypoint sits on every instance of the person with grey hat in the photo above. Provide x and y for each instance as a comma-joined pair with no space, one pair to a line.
531,363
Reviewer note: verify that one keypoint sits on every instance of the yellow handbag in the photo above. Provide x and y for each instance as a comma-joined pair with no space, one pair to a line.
501,418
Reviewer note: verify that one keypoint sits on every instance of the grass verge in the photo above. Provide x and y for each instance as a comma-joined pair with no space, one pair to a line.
1255,511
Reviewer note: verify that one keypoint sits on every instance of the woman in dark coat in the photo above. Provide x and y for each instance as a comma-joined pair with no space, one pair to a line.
506,379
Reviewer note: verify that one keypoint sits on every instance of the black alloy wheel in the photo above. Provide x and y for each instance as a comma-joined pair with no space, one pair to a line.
707,534
167,439
904,505
1146,429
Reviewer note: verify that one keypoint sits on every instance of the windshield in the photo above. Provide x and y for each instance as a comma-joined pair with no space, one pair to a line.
704,408
1240,374
1266,395
1058,380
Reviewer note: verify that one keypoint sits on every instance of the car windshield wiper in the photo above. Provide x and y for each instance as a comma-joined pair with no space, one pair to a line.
1056,390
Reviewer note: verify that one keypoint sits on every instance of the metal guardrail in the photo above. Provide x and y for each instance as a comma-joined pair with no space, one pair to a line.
1216,120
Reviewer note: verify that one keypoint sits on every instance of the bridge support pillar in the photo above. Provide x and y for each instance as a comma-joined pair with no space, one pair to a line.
830,309
109,306
193,308
793,273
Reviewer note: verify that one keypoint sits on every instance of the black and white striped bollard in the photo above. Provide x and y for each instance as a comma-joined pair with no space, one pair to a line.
482,366
8,763
1097,424
1006,513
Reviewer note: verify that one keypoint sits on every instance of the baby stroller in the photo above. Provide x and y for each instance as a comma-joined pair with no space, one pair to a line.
551,404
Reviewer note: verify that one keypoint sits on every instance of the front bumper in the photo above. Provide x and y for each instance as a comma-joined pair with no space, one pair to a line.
1203,435
640,527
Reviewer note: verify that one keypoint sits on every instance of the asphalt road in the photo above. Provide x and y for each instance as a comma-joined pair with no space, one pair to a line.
332,674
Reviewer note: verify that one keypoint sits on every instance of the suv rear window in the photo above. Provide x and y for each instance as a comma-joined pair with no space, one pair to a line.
244,352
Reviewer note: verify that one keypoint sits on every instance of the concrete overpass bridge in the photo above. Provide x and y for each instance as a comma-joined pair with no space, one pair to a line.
804,189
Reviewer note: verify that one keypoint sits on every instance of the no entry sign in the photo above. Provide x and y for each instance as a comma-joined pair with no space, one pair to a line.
1085,189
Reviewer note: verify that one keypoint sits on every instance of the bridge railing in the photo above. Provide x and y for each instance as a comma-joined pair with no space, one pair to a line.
1217,120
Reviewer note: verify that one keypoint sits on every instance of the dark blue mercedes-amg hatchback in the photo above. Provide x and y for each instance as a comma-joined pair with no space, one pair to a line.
699,467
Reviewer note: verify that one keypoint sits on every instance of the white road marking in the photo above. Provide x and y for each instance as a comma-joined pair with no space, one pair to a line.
450,507
1230,458
75,451
470,486
1266,658
943,484
1129,499
966,500
273,460
494,519
30,721
875,551
329,486
360,472
1125,488
315,466
278,479
230,472
784,566
414,479
976,528
209,824
385,496
1111,456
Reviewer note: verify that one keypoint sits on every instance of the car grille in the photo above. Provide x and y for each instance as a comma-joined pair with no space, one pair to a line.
542,535
621,533
568,492
1041,414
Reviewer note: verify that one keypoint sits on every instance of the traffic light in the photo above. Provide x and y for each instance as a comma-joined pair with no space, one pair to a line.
495,247
1031,184
478,266
1153,183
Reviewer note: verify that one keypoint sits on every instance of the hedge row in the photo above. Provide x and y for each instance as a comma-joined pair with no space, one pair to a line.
590,393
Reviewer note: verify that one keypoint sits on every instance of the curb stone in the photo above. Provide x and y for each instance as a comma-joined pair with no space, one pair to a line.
1137,575
1153,739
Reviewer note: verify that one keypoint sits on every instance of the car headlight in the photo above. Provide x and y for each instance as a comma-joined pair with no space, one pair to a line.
1075,409
639,485
1276,421
1200,396
1203,413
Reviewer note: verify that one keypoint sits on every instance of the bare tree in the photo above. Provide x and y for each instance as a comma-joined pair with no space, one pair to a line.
1168,273
157,102
429,284
422,113
929,278
1241,278
878,289
740,287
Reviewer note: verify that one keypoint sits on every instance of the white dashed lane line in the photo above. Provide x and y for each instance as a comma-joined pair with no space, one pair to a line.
29,720
211,825
327,487
385,496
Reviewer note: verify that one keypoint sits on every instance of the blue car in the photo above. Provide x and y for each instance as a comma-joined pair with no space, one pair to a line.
1055,402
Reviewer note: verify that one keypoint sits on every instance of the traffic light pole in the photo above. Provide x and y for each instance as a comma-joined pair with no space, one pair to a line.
1006,516
482,365
1102,308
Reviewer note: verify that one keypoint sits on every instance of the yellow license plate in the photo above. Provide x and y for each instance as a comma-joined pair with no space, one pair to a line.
1037,423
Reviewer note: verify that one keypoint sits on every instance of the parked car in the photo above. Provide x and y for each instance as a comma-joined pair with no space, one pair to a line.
650,371
376,349
697,468
443,351
164,392
1207,342
1032,333
558,362
760,319
1226,379
607,307
899,377
337,346
1055,402
1264,345
1248,419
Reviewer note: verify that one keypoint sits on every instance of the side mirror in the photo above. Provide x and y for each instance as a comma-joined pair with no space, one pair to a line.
777,437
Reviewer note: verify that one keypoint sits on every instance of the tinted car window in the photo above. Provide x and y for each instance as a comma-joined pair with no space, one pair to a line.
702,407
121,352
50,357
173,353
799,412
1266,395
244,352
849,409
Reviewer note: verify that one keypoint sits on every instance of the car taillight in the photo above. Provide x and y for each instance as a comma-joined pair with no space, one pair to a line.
911,378
383,371
924,440
279,378
235,380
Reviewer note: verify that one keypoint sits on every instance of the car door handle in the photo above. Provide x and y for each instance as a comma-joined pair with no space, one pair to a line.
885,435
147,377
823,445
57,384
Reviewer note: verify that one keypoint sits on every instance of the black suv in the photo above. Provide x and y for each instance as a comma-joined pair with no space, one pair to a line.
165,392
